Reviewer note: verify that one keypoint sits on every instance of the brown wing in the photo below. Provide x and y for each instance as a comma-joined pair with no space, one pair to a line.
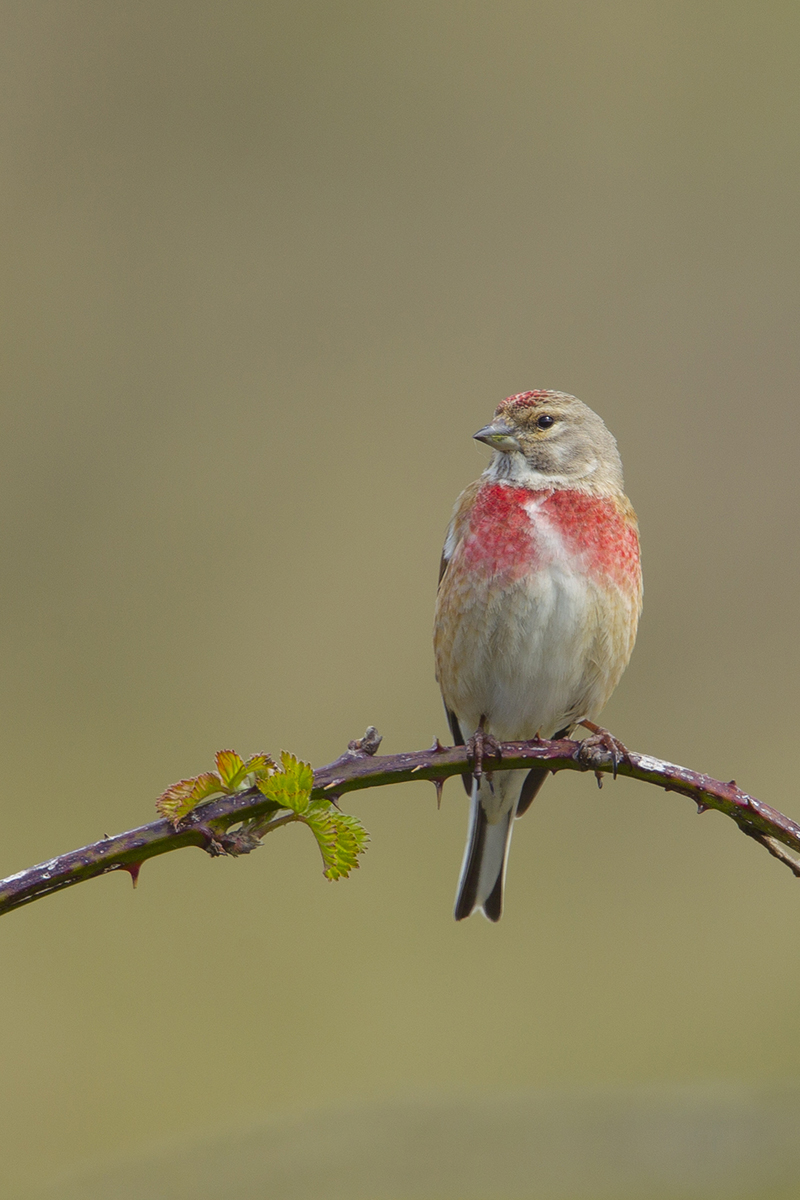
455,532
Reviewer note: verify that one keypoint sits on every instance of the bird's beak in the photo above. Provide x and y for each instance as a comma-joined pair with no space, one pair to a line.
499,436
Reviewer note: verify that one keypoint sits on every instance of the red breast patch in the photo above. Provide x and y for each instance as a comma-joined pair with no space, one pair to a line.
596,528
502,537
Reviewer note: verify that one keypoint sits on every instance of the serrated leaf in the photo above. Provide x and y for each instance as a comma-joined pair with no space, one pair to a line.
302,771
234,775
179,800
340,836
290,787
231,768
260,766
260,762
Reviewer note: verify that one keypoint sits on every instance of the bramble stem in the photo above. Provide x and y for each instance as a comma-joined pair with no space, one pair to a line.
209,826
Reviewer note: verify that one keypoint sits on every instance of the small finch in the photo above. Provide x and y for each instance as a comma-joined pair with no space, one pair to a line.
540,591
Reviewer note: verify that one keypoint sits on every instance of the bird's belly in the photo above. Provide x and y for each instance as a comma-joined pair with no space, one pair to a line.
527,655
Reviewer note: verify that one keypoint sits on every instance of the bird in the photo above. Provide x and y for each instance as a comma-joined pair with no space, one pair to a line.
540,592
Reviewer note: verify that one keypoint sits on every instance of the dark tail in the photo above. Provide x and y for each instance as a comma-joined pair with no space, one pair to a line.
483,870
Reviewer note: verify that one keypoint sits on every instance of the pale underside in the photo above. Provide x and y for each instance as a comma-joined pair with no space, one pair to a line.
534,655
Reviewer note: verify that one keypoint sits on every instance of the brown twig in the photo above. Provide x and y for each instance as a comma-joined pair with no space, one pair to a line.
211,826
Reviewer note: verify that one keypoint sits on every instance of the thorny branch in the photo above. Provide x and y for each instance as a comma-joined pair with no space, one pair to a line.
212,826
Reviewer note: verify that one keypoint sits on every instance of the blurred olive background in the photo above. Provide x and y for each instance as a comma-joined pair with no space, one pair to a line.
266,269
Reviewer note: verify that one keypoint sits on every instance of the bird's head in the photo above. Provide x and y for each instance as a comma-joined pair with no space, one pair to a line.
550,439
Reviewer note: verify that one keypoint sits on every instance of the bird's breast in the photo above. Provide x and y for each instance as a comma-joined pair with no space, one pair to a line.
537,608
501,537
512,531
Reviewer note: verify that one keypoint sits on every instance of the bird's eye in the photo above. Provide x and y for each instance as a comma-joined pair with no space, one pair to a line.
545,421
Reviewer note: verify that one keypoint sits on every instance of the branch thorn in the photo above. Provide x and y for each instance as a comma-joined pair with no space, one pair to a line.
133,870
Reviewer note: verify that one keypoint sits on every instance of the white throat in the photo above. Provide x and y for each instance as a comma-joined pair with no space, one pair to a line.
515,468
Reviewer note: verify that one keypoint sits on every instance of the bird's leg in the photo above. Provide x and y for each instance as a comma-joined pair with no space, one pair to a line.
601,739
480,746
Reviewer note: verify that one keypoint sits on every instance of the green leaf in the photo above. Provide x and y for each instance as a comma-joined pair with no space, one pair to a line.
291,786
232,775
260,764
340,836
179,800
231,769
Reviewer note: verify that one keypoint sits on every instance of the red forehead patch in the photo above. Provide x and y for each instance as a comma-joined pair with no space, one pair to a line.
524,400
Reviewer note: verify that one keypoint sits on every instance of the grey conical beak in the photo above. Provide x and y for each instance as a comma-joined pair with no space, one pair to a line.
499,436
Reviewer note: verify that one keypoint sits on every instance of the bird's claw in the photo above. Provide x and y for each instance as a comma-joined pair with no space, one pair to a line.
480,747
600,743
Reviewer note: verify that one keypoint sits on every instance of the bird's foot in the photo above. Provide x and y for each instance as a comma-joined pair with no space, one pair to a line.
480,747
605,743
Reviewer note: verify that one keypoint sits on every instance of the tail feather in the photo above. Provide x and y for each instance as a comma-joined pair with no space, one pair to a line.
493,904
483,870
